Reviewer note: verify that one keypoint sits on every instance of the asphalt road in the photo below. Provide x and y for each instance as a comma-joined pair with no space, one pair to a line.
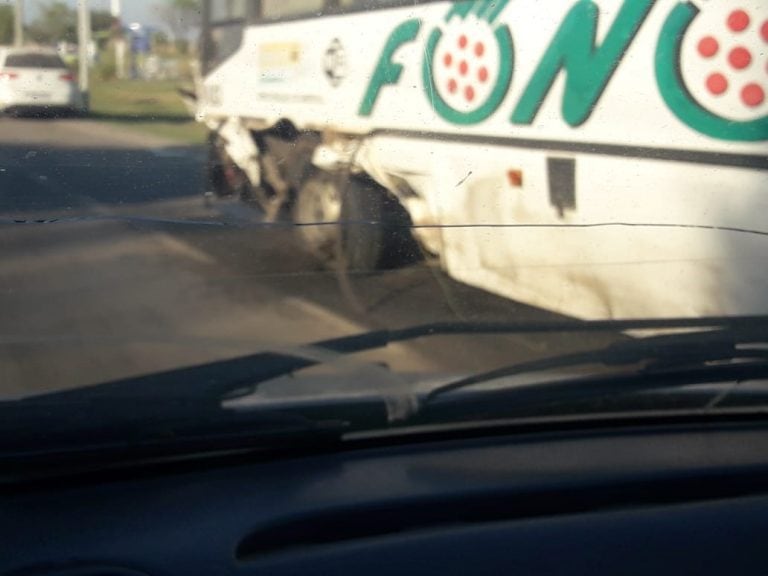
113,265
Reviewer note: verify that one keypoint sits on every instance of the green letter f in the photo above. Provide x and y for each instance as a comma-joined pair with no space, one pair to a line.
388,72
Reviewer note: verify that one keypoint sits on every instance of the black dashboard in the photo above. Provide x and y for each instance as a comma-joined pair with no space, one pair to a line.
669,498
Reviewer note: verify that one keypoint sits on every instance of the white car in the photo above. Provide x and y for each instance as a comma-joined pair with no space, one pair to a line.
37,80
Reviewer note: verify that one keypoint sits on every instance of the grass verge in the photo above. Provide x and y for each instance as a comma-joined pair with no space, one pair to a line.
152,106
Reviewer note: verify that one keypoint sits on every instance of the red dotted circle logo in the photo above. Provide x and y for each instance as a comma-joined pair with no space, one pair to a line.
468,61
724,61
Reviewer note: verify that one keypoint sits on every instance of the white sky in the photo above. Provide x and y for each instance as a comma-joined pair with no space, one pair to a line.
133,10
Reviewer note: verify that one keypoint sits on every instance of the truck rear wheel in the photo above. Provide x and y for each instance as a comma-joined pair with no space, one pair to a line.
362,234
342,218
316,212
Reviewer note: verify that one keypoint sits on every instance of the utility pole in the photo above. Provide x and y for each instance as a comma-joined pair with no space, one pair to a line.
18,24
119,38
206,40
84,45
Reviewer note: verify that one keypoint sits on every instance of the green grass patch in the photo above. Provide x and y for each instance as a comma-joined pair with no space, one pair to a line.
152,106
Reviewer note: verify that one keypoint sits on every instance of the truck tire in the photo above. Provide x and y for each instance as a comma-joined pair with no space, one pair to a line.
363,233
316,211
341,219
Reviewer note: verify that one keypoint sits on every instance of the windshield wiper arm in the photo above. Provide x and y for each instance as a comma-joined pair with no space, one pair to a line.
659,353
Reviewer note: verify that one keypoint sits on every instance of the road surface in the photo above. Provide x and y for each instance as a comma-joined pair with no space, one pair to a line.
113,265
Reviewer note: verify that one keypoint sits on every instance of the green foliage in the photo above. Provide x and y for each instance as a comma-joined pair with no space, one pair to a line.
57,22
161,39
101,20
106,66
6,24
152,107
181,16
193,5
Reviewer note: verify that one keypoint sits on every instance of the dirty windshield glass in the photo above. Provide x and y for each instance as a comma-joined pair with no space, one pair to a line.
212,211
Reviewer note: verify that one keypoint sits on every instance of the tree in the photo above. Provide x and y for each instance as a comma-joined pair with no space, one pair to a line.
57,22
6,24
101,20
181,17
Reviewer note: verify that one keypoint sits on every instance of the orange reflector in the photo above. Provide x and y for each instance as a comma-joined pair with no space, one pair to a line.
515,178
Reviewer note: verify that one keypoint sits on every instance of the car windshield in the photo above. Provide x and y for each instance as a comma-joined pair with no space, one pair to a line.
34,60
241,215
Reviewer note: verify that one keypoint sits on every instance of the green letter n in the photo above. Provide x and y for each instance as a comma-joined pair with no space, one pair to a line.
588,67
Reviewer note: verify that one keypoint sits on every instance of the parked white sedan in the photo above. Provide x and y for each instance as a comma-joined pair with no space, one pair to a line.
36,80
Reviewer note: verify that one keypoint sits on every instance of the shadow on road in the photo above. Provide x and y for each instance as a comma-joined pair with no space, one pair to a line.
48,114
72,174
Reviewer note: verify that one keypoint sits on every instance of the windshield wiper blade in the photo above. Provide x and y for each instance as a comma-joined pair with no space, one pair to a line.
169,402
695,352
381,338
213,381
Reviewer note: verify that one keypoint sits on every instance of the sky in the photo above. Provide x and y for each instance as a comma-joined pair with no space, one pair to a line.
133,10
